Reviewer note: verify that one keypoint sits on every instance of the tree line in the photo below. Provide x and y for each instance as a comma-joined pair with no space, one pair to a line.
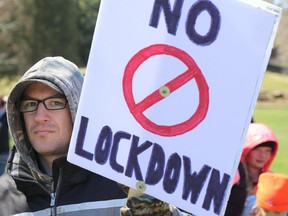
33,29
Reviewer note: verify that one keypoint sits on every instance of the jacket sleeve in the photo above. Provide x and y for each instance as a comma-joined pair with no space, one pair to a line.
9,196
147,205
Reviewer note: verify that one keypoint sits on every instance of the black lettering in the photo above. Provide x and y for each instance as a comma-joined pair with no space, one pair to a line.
156,165
193,14
80,139
193,183
103,145
172,173
132,163
216,191
171,17
117,138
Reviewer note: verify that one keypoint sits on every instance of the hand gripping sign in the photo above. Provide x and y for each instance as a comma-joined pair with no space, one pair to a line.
193,71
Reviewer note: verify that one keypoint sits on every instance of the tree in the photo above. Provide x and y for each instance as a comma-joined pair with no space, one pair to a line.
54,29
12,48
33,29
87,19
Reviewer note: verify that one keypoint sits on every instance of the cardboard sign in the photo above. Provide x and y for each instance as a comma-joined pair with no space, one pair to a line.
169,91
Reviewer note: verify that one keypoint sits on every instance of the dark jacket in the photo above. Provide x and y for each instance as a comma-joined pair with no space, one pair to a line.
238,195
74,190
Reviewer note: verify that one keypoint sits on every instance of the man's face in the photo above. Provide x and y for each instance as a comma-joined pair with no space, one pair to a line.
49,131
259,156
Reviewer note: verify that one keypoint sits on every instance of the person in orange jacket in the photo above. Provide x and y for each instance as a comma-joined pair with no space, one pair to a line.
272,195
259,151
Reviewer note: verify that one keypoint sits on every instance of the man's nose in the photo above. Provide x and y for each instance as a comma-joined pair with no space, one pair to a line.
41,112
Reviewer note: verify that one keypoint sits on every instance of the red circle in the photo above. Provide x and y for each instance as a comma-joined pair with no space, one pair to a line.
193,72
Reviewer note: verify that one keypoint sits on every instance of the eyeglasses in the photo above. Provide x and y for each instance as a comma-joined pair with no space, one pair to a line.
52,103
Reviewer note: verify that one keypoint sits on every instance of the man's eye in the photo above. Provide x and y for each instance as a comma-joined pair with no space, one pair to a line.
57,102
30,104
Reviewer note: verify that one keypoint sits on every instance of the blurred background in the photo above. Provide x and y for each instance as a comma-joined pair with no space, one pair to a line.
33,29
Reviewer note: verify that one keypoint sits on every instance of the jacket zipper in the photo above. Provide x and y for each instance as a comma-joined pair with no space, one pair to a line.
54,195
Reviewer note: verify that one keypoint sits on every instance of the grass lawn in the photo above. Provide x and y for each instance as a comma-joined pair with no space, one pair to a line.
277,120
275,115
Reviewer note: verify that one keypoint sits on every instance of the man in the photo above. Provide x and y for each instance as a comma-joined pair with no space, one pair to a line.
41,111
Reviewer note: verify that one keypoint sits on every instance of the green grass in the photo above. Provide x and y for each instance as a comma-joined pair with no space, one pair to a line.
275,115
275,82
277,120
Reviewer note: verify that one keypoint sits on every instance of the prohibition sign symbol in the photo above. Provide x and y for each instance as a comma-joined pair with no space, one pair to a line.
193,71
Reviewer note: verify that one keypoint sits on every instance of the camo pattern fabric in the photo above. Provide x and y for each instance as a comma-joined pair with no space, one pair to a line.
145,205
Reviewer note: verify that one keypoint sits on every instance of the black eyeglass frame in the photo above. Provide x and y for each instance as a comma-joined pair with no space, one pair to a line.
19,104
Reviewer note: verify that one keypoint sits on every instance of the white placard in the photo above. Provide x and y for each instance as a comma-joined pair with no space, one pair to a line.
169,91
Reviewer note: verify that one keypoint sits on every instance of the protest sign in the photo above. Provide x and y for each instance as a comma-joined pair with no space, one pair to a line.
169,91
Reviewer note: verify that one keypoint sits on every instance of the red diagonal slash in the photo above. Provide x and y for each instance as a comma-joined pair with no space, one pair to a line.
192,72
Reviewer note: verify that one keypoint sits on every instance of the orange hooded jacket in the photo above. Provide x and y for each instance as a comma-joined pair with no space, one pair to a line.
258,134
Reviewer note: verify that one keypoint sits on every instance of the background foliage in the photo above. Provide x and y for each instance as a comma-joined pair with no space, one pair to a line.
33,29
